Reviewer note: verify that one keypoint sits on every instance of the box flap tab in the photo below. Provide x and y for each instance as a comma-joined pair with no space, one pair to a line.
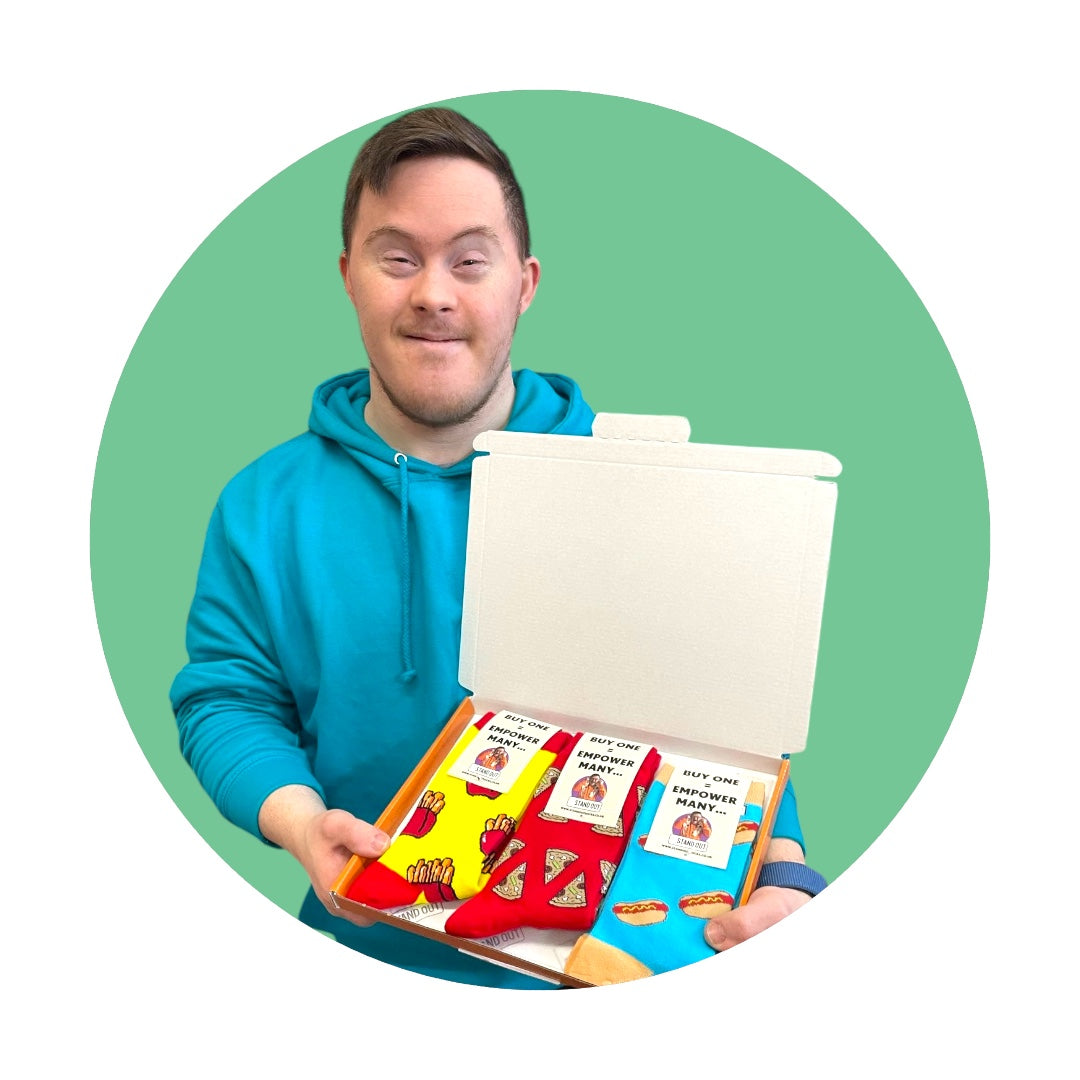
674,429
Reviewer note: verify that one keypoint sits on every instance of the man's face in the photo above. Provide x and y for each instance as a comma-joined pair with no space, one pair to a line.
438,284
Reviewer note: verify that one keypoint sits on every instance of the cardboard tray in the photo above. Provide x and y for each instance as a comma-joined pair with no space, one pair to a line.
539,953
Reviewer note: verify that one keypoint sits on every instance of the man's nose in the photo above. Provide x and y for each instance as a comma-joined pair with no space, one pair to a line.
433,289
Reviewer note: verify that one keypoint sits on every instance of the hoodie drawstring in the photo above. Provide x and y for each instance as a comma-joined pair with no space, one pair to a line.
408,671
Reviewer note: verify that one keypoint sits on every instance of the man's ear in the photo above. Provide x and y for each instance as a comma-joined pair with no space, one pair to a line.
530,280
343,267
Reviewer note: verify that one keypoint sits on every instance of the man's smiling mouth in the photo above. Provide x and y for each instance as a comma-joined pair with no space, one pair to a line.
434,339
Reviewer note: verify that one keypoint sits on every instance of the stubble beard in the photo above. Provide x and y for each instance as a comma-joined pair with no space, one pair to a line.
445,412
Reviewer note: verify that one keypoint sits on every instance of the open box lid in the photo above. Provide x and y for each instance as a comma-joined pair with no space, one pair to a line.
634,579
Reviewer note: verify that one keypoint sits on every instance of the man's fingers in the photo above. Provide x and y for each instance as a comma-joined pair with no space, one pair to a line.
765,907
351,916
736,926
336,836
357,836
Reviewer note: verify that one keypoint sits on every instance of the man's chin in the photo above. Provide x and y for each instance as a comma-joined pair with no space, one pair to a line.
439,408
439,416
439,405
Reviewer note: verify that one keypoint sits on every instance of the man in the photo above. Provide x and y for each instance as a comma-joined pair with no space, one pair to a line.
323,637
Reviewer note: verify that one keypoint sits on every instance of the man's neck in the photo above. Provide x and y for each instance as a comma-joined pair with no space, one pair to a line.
443,446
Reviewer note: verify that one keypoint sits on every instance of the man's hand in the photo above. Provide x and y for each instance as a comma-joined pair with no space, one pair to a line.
766,906
321,840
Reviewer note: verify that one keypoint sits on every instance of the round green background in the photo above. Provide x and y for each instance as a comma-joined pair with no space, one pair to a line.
685,271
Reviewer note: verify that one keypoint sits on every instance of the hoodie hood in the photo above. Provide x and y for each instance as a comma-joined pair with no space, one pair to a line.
546,403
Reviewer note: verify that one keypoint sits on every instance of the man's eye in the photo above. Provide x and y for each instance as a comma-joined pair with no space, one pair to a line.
471,263
397,264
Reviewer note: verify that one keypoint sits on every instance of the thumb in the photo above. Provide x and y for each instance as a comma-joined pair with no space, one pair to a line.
766,906
359,837
733,927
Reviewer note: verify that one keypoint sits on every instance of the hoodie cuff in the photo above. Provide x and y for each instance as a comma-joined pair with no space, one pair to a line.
791,875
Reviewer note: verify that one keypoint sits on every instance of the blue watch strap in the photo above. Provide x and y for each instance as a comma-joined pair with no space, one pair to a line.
791,875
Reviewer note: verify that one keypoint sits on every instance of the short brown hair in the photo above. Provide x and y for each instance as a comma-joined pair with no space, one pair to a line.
429,133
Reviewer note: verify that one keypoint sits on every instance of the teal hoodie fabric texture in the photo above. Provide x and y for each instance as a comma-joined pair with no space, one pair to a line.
323,637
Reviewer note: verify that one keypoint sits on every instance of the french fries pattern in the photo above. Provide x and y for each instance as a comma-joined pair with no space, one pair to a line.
425,814
433,801
438,873
455,831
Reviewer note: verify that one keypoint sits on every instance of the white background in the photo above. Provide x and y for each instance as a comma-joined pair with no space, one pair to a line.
948,130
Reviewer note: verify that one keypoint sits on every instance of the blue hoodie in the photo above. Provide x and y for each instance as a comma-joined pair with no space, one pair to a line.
323,637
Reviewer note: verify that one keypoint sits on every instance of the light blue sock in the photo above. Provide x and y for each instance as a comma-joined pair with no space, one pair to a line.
663,936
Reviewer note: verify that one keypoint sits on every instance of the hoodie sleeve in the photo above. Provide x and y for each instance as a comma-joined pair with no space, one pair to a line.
787,825
238,722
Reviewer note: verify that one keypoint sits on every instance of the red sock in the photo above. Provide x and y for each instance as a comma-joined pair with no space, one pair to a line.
554,871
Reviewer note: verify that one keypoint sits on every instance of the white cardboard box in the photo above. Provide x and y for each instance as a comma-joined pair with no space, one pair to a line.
636,584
